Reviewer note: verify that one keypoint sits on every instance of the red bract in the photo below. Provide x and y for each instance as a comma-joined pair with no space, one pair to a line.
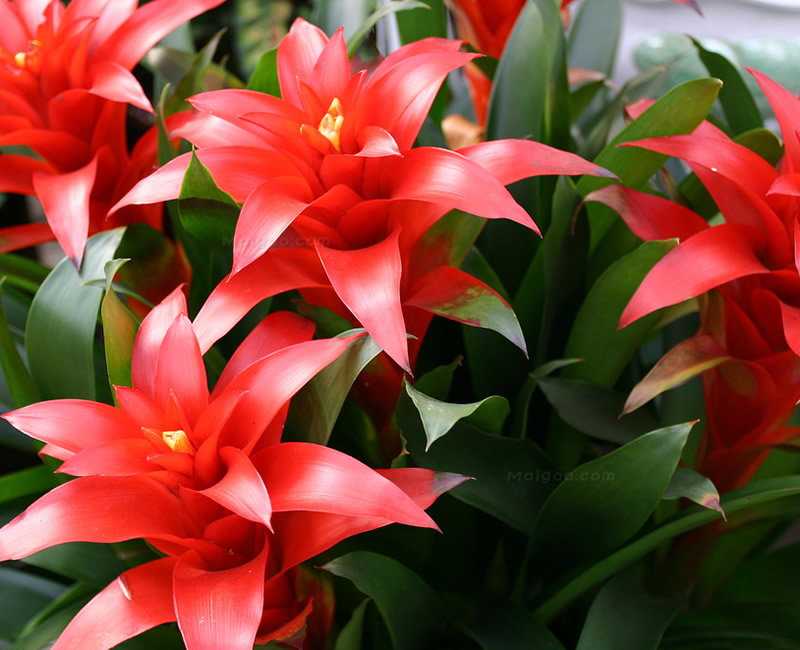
336,202
65,83
205,480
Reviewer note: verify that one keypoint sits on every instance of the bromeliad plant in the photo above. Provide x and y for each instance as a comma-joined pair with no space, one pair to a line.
247,459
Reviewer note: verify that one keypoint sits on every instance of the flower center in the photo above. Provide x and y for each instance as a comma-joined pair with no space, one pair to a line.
31,59
331,123
178,441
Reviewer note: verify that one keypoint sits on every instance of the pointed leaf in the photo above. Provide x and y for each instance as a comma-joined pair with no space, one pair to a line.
594,336
624,615
439,417
350,636
315,409
696,487
688,359
59,337
602,503
119,331
265,77
411,610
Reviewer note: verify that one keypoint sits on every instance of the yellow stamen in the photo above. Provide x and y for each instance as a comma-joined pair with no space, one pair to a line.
331,123
31,58
178,441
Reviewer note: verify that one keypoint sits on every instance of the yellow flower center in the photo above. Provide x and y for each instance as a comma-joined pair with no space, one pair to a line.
331,123
31,59
178,441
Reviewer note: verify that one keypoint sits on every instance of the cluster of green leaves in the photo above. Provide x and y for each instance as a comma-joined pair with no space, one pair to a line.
577,530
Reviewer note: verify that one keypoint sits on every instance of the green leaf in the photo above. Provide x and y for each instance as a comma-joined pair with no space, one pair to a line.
737,103
439,417
411,610
350,636
506,626
43,630
747,498
437,382
22,272
679,111
315,409
624,616
265,77
594,410
687,483
588,51
23,389
513,477
119,331
602,503
594,336
59,338
92,563
27,482
206,211
192,81
355,39
24,594
520,88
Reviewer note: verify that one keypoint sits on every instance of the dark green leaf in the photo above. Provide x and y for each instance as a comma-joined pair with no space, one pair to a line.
737,103
695,487
512,477
315,409
27,482
192,81
119,331
594,410
350,636
92,563
506,626
411,610
24,594
23,389
624,616
588,51
594,336
265,77
602,503
59,338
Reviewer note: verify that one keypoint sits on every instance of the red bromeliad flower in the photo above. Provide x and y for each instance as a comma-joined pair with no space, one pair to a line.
337,203
205,480
65,83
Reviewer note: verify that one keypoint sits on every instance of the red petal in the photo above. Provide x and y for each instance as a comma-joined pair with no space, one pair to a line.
650,217
726,158
276,271
367,281
150,337
331,72
16,173
278,330
61,149
141,409
298,52
267,212
219,609
452,180
791,326
309,477
787,110
375,142
65,199
704,261
14,34
113,82
181,370
424,486
233,103
151,22
73,424
94,509
13,238
512,160
118,458
241,490
135,602
272,381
